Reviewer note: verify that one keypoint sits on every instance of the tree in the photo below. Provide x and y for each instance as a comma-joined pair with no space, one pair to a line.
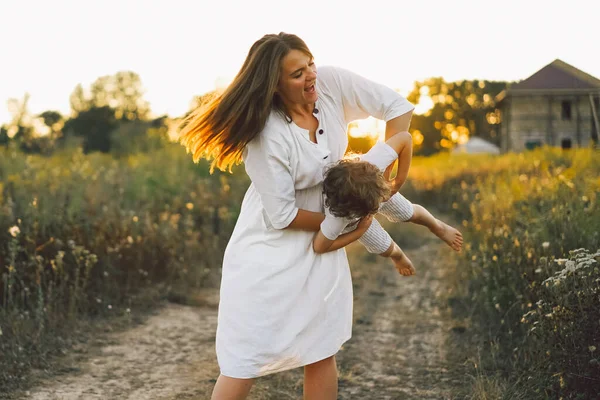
122,92
110,100
20,127
460,109
78,100
95,126
4,139
54,121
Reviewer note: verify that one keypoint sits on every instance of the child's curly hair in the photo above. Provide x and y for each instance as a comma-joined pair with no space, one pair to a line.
354,188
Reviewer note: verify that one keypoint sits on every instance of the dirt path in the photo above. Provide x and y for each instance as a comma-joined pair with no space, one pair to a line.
400,348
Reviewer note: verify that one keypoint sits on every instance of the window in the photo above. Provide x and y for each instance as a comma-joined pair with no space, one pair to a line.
532,144
566,143
566,110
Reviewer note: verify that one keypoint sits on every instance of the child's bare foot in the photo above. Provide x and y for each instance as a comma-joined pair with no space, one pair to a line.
448,234
403,265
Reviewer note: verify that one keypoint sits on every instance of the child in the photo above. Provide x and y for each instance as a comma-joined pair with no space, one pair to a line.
356,189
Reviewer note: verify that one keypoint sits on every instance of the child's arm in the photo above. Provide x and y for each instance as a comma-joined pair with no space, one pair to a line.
402,144
321,244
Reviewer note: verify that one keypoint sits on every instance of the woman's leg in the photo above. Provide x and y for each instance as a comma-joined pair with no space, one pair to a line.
228,388
321,380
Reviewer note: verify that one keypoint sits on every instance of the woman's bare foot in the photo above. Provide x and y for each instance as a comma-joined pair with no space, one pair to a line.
403,264
448,234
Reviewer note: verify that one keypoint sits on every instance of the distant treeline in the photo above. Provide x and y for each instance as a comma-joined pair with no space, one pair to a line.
112,116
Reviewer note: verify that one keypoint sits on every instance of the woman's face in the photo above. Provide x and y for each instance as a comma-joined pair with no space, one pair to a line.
298,77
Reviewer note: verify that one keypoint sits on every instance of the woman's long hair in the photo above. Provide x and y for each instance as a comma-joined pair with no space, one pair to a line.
220,130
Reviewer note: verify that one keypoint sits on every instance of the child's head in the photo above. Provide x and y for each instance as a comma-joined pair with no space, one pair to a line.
354,188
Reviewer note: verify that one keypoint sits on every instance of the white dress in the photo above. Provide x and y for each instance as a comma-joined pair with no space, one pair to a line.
281,305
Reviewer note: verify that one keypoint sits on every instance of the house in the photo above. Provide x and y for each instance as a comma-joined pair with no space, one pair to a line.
556,106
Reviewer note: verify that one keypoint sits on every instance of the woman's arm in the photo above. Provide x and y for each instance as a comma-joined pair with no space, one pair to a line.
398,124
307,221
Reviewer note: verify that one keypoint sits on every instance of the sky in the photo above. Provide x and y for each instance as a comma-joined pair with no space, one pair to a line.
185,48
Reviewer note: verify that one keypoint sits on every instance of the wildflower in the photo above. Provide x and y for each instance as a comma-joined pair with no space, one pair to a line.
546,245
189,206
129,240
592,349
128,310
109,307
14,231
135,218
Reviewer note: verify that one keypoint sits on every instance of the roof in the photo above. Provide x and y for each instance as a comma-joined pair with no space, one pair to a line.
558,75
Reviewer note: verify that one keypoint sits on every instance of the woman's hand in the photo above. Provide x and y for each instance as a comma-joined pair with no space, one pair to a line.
364,223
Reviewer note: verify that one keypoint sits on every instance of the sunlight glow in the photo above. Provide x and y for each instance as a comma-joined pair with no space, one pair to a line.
367,127
425,104
418,137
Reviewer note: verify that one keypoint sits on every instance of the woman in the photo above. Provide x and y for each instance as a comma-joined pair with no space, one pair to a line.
282,305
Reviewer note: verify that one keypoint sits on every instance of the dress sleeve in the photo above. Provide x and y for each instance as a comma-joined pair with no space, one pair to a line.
362,97
267,163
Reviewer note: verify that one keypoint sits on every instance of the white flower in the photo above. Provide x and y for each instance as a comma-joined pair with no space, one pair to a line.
546,245
14,231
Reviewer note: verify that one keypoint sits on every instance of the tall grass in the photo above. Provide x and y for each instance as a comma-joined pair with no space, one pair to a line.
80,235
520,213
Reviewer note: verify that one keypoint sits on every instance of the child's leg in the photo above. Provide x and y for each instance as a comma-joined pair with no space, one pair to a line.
399,209
402,263
442,230
377,241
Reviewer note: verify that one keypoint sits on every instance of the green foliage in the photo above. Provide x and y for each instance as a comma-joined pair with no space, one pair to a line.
94,126
80,235
134,137
519,212
564,325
